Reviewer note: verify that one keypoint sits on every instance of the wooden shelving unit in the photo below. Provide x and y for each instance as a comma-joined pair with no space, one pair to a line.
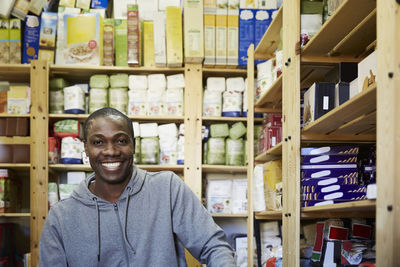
222,215
16,166
273,153
363,208
15,72
272,98
15,140
223,169
269,215
15,215
5,115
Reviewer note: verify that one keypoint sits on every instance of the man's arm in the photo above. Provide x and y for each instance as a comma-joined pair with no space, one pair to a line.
196,229
51,249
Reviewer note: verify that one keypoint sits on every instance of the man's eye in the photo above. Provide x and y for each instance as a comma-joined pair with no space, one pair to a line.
97,142
122,141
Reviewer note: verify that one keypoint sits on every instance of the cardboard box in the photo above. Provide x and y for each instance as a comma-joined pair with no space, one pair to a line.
174,36
133,25
342,72
21,8
67,3
5,8
210,10
83,39
15,41
325,189
120,8
354,89
18,99
194,35
221,21
330,150
342,93
319,99
246,34
4,41
262,19
60,43
121,42
320,171
108,42
329,159
148,44
47,43
36,6
99,4
367,71
31,39
351,194
160,55
314,203
233,33
84,4
328,181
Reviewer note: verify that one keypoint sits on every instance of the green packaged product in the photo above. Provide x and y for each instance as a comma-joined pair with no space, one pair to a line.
150,150
57,84
237,130
257,130
56,102
136,156
216,151
312,7
97,99
205,152
118,99
119,80
219,130
234,152
101,81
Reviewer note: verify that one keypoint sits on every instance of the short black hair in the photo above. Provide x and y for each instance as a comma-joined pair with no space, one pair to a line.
105,112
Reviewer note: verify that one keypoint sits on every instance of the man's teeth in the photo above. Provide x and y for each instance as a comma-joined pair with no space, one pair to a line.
111,164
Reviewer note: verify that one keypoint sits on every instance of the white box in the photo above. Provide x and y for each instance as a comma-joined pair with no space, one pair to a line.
239,196
120,8
216,84
354,89
137,82
176,81
148,130
5,8
235,84
160,55
367,71
219,194
156,82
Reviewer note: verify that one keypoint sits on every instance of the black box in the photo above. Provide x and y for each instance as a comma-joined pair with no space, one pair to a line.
343,72
318,100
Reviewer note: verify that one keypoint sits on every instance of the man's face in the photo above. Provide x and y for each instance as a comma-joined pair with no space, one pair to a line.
110,149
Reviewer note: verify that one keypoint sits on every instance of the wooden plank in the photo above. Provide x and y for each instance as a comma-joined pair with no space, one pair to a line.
269,215
343,21
354,44
15,140
273,153
250,153
271,39
388,134
361,104
343,207
291,148
223,169
359,125
367,137
5,115
15,214
225,72
224,119
39,150
311,73
222,215
272,97
16,166
14,72
83,117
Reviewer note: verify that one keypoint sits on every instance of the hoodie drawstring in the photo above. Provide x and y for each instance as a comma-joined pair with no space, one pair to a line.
98,228
126,218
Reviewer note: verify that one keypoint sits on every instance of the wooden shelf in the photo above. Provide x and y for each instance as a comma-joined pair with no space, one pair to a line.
355,117
225,215
87,168
82,73
346,35
273,153
313,72
272,98
269,42
15,140
15,215
223,169
82,117
225,119
15,72
6,115
269,215
224,72
363,208
16,166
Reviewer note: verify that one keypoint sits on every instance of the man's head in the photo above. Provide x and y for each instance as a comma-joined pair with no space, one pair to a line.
109,144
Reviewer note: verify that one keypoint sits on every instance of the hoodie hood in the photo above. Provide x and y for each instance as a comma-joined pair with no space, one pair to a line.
84,195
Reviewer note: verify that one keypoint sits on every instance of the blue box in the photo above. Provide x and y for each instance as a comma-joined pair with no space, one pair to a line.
356,193
246,34
307,189
31,39
312,203
328,181
99,4
321,171
329,159
262,20
330,150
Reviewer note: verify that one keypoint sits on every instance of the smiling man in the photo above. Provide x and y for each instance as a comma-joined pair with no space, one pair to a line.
124,216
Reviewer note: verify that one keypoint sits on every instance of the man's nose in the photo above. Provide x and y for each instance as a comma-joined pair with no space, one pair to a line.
110,149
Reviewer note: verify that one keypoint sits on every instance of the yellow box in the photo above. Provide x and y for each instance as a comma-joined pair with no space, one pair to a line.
233,33
174,36
15,41
272,175
4,42
84,39
209,39
148,44
221,32
194,36
18,99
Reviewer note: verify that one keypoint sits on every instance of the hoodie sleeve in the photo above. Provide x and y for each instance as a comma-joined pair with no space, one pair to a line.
196,229
51,248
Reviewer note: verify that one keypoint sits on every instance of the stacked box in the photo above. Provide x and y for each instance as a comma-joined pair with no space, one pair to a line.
174,36
108,42
160,56
31,39
4,42
210,10
21,8
220,32
148,44
271,133
47,41
246,34
319,99
193,21
233,33
15,41
121,42
133,35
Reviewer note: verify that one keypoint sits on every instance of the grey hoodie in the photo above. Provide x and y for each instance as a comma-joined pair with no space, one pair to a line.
156,216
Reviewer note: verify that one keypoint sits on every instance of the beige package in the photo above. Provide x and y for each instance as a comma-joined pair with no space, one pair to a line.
148,44
193,21
233,33
209,11
220,32
108,42
15,41
174,36
4,42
